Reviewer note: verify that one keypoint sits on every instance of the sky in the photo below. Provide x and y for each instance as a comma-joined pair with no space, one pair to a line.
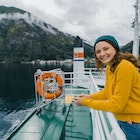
88,19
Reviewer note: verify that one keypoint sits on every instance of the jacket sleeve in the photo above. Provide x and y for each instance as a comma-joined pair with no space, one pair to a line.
100,95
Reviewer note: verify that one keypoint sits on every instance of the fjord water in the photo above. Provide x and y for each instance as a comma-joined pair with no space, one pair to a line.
17,95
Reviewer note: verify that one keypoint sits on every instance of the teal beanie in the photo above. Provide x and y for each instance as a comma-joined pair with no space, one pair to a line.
110,39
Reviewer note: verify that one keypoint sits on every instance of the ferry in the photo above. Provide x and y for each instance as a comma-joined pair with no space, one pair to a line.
56,117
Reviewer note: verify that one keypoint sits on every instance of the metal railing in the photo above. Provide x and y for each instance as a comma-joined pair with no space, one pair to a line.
105,126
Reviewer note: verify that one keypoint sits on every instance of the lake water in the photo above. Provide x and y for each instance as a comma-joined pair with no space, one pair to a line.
17,98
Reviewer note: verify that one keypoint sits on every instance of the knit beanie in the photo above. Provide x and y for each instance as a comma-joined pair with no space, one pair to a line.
110,39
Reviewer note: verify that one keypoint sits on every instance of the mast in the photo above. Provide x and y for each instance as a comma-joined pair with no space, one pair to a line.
135,50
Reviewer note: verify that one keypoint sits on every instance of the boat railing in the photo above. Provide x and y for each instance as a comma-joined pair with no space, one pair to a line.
105,126
95,72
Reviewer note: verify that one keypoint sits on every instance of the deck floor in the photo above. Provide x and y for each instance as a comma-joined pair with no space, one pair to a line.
80,125
53,123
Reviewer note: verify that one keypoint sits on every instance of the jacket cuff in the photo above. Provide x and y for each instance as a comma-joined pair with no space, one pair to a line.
85,102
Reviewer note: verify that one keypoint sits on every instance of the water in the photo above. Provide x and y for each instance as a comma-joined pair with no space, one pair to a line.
17,98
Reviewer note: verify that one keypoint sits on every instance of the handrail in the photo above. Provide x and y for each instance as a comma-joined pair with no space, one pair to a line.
116,133
105,126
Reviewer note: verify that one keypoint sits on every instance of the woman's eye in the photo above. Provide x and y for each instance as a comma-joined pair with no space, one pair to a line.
105,49
97,52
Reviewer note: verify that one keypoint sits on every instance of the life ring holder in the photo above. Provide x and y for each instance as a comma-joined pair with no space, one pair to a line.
40,85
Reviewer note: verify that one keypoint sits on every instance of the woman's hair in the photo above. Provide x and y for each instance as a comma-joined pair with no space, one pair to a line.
117,58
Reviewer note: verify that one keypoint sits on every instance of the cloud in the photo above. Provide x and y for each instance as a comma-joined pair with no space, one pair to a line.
94,18
86,18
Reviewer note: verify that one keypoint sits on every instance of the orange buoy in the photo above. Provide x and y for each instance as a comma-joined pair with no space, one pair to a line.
41,88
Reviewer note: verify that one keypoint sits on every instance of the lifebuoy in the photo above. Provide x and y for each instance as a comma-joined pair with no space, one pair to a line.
40,85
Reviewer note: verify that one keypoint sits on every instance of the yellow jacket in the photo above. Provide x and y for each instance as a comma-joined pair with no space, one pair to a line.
121,94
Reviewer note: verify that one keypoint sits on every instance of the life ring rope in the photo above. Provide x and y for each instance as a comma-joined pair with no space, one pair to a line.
49,85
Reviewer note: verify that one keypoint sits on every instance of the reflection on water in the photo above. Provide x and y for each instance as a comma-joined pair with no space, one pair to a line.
17,79
17,93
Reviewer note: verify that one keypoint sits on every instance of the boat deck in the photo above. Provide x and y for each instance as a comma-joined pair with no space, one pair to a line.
61,119
80,125
57,120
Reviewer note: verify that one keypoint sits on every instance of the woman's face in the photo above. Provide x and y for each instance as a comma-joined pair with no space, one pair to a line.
105,52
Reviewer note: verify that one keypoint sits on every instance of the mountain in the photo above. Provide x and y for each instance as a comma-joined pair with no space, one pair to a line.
23,37
127,47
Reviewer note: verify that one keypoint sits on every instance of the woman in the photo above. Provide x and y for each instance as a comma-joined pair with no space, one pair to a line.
121,93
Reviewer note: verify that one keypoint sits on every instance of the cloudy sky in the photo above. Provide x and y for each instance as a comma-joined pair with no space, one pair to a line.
85,18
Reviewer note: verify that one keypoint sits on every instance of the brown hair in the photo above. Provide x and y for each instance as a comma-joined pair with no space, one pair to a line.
117,59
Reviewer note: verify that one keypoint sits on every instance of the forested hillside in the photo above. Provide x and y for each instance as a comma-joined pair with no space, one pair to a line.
23,37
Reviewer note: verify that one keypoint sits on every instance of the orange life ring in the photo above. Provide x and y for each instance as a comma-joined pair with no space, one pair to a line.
40,86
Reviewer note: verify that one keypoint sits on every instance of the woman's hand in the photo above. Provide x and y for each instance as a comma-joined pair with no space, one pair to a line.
78,101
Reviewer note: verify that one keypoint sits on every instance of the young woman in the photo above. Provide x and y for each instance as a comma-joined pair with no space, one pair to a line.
121,93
